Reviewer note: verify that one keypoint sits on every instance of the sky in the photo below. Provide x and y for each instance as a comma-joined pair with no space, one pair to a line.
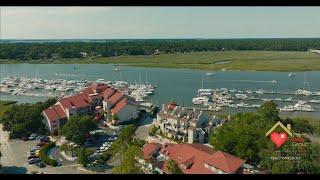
159,22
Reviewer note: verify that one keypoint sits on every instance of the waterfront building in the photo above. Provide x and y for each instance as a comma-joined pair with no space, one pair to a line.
190,158
186,125
87,101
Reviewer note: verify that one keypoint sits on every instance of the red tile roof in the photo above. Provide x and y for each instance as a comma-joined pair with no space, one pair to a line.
116,97
121,104
98,88
149,148
194,157
55,113
78,101
108,92
225,162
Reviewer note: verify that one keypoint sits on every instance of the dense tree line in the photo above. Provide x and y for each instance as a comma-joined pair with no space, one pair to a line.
24,119
48,50
244,136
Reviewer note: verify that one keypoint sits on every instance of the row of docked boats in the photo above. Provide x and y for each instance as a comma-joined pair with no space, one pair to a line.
224,97
22,84
299,106
59,87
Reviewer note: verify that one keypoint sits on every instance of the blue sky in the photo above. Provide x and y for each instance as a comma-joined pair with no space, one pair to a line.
158,22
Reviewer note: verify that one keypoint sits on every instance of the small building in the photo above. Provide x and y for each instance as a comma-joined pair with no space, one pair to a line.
192,159
83,54
186,125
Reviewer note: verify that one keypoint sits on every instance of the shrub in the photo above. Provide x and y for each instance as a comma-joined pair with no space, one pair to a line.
44,157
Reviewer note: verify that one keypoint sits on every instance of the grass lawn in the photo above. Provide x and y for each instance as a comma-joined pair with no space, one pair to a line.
233,60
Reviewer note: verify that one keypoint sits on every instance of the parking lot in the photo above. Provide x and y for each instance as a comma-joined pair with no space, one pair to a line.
14,158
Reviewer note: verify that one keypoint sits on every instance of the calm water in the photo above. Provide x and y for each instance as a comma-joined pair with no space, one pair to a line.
179,85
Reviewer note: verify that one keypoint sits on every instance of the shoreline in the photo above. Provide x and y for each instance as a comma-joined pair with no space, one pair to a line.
275,61
164,67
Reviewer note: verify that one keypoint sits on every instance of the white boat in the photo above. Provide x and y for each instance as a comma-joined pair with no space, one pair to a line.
260,91
301,106
240,104
256,105
139,99
200,100
291,75
314,101
303,92
210,73
241,96
288,108
289,99
205,92
233,90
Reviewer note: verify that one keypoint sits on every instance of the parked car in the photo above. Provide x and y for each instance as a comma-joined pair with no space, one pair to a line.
32,157
25,138
36,148
45,139
88,144
40,144
32,136
39,137
112,138
34,160
40,164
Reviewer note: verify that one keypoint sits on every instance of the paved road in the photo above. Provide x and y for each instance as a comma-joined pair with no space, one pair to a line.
142,131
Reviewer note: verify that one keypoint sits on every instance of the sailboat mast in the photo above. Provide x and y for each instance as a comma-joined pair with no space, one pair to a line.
202,82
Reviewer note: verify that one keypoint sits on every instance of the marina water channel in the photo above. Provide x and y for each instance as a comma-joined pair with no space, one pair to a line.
178,85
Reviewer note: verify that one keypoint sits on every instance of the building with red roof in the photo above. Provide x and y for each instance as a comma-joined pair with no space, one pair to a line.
120,105
193,159
55,118
85,103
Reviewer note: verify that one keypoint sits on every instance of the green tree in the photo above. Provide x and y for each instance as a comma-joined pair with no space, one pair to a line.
268,111
243,136
77,128
129,162
24,119
302,126
173,167
84,156
307,159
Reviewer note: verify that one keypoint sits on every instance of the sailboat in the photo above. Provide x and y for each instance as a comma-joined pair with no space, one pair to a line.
303,91
291,74
210,73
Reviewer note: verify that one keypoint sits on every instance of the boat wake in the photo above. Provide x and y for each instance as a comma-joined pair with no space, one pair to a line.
70,75
253,81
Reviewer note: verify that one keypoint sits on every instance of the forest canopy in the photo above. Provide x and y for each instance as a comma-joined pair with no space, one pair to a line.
34,50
